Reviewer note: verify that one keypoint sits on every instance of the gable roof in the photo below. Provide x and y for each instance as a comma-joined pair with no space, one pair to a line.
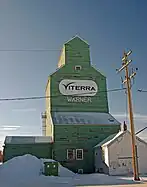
112,138
75,37
141,140
106,140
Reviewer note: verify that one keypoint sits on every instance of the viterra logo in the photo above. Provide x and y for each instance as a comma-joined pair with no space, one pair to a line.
78,87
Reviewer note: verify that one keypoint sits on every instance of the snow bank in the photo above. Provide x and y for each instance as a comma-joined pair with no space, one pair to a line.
26,171
25,167
29,166
63,172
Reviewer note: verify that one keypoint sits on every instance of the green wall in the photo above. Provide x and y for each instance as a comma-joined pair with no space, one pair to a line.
83,137
40,150
97,103
76,52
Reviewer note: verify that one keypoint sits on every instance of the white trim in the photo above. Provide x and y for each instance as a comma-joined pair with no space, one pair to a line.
76,154
78,66
73,151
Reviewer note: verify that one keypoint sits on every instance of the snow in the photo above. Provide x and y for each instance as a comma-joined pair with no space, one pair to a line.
63,172
26,171
26,166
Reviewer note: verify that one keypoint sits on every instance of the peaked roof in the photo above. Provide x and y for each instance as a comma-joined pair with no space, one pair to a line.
110,139
76,37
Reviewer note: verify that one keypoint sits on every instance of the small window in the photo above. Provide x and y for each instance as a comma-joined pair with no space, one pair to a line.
70,154
78,68
79,154
80,171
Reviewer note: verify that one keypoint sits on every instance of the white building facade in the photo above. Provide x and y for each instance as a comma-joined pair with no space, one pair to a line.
117,154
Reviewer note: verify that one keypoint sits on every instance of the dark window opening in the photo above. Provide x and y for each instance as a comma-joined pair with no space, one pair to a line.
70,154
78,68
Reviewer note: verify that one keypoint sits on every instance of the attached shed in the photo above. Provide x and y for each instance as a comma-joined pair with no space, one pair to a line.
116,154
39,146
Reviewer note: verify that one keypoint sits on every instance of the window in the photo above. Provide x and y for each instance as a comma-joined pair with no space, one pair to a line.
78,68
79,154
70,154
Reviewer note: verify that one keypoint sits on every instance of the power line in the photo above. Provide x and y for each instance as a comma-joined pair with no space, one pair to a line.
28,50
44,97
141,130
38,50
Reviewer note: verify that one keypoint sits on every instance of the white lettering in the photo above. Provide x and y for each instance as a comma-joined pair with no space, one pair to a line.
79,99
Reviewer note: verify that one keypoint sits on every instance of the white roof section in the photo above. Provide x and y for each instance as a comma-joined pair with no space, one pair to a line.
91,118
119,134
112,138
27,139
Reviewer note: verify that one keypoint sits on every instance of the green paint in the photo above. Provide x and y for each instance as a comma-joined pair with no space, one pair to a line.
106,140
76,53
83,137
41,150
51,168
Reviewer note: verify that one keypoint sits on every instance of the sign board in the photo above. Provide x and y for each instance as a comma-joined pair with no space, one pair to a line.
69,87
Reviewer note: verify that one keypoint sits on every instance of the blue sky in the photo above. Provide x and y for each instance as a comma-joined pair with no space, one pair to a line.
110,27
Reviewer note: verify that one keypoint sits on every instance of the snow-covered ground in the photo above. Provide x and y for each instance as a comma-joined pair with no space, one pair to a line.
26,171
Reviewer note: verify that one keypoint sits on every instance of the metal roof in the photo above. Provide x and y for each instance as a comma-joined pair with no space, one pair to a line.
112,138
27,139
93,118
106,140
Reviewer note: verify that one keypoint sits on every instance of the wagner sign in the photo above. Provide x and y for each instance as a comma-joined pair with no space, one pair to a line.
78,87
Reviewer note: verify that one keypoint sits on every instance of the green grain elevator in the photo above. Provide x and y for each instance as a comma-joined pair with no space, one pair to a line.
77,112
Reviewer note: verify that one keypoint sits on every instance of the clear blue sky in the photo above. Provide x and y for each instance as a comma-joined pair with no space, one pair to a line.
109,26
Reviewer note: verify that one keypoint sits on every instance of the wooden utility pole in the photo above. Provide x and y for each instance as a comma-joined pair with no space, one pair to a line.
127,82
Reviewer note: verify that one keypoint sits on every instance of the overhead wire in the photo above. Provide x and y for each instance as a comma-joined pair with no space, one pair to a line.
28,50
38,50
44,97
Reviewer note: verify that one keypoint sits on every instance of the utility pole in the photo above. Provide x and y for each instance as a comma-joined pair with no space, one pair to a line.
127,82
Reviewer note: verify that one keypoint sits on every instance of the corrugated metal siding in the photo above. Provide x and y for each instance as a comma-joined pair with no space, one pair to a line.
41,150
77,52
83,137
